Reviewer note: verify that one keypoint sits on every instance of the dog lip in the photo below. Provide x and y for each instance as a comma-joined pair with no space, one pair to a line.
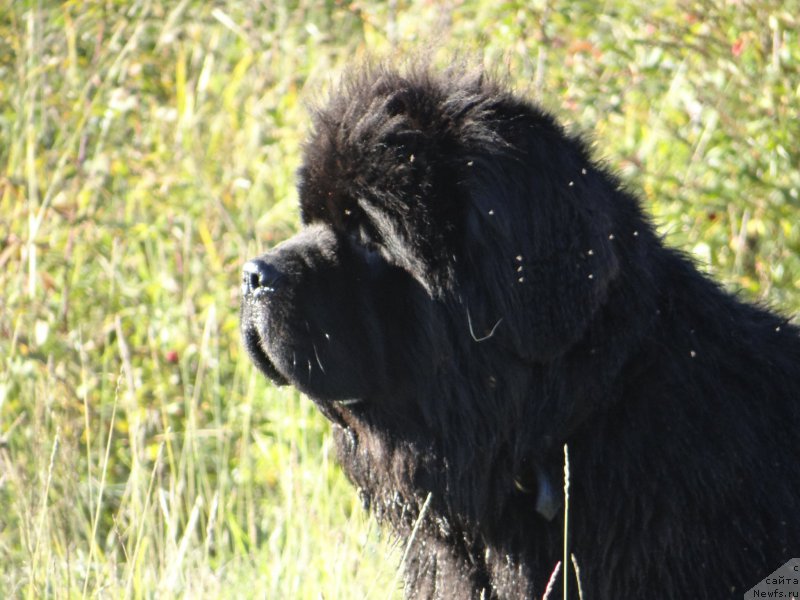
252,343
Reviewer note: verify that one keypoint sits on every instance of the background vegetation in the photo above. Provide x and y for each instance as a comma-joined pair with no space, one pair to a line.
147,148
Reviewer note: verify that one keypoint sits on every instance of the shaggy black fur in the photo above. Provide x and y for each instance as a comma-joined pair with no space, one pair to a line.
469,294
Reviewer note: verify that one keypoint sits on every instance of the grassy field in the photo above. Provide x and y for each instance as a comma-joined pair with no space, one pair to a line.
147,148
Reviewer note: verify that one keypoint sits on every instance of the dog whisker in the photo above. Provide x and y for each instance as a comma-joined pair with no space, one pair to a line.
316,355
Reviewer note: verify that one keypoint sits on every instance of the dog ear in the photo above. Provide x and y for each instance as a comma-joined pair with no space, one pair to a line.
551,229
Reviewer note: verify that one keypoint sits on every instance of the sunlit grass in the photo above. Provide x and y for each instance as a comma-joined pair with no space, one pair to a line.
148,148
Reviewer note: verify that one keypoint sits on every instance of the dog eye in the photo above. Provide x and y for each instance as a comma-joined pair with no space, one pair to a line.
361,241
370,247
364,239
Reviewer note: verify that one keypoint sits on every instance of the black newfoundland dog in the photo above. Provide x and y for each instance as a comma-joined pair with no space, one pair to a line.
471,293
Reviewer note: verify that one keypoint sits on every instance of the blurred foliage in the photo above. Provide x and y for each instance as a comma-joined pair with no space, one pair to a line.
147,148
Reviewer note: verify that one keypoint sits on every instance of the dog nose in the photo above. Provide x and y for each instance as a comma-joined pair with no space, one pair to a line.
259,276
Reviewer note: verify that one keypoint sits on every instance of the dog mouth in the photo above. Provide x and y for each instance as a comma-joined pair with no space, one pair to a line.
254,347
252,343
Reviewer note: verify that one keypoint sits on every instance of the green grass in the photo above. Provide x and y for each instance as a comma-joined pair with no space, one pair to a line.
147,149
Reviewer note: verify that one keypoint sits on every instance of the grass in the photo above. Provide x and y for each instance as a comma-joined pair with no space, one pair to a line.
147,148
